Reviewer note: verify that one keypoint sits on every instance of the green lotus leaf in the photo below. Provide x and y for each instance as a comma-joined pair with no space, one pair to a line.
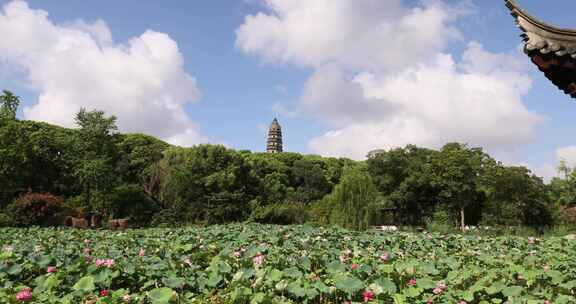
296,289
348,284
512,291
161,295
85,284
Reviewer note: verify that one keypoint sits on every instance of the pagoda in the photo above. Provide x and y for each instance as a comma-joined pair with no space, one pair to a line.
552,49
274,142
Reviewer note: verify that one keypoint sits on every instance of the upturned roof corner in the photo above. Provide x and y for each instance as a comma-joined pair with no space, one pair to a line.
541,36
552,49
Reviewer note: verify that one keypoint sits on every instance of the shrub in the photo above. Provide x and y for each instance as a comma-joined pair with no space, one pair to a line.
174,216
567,216
6,220
281,214
41,209
319,212
130,201
441,222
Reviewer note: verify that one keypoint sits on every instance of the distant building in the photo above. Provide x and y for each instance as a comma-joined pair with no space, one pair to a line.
274,142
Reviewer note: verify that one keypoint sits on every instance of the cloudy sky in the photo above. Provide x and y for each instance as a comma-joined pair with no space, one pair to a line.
343,76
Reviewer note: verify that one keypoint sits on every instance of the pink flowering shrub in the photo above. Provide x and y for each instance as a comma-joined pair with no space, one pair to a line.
42,209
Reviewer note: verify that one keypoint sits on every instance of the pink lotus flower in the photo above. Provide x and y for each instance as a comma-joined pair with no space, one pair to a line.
88,258
412,282
51,269
142,252
126,298
86,251
429,301
258,259
384,257
368,296
462,302
106,263
237,254
437,291
355,266
104,293
546,268
87,241
343,258
441,285
547,302
24,295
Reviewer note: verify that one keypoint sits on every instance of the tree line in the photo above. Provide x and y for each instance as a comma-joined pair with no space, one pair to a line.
47,172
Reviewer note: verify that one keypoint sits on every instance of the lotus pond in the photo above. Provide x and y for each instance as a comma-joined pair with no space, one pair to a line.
281,264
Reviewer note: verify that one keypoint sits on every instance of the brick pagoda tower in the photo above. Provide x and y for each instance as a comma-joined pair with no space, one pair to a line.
274,142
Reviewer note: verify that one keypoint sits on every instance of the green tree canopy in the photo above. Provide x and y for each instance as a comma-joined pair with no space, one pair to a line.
98,156
8,105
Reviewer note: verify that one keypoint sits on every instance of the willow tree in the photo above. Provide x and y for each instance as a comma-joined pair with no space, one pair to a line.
353,201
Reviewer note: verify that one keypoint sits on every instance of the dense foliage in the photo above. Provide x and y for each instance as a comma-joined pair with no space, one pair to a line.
38,209
281,264
353,204
97,170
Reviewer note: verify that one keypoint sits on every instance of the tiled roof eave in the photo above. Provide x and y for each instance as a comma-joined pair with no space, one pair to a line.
541,36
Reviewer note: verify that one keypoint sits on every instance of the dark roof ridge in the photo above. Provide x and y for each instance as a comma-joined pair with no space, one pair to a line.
517,11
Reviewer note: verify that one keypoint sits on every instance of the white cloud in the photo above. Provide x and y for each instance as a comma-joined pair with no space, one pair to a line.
368,34
548,171
77,65
469,101
384,79
286,111
568,155
330,95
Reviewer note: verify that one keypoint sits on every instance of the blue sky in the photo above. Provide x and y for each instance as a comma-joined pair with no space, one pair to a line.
240,91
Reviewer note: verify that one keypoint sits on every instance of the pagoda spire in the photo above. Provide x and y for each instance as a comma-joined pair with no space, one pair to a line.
274,141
